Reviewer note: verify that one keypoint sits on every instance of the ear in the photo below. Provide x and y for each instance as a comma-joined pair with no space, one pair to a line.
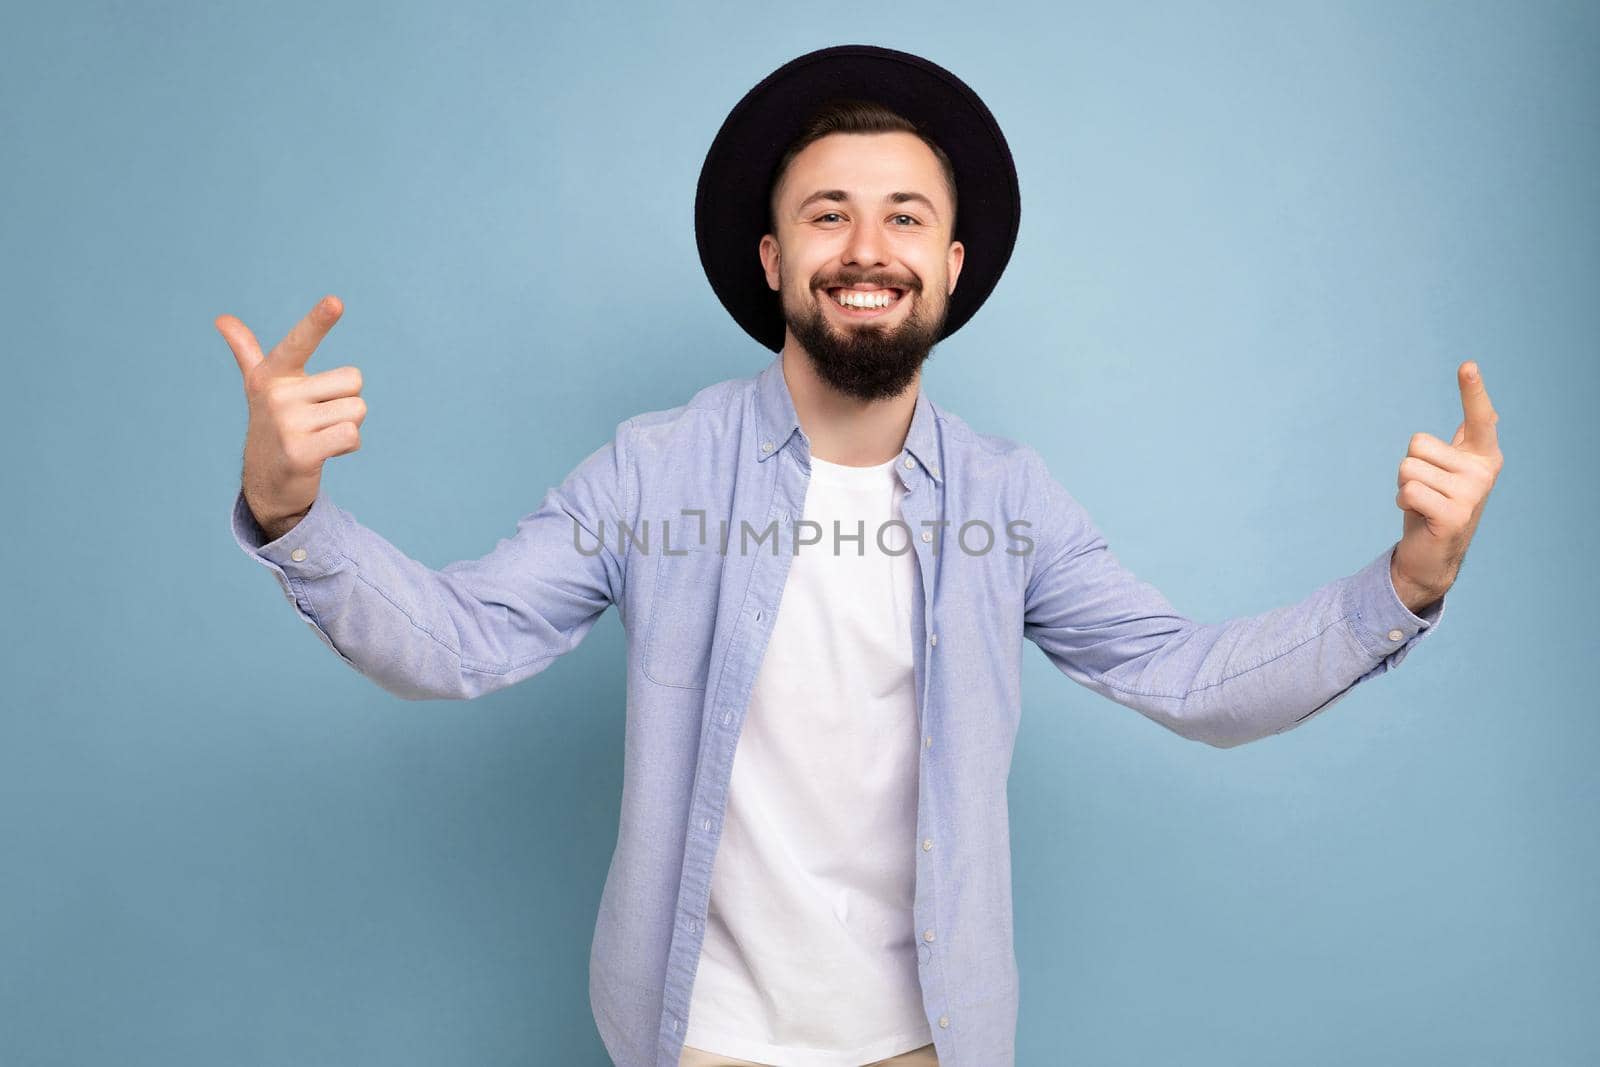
771,259
953,260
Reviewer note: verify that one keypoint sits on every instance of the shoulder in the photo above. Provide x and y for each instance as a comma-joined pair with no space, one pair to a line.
993,458
712,412
995,471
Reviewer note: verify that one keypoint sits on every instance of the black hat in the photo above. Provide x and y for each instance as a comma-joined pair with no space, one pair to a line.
730,205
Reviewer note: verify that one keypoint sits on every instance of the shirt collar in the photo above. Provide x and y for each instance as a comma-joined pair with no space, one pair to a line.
777,422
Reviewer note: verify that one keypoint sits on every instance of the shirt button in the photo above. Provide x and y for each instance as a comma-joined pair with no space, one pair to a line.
705,824
933,639
766,446
927,742
944,1022
927,844
927,535
909,463
927,935
298,555
1395,635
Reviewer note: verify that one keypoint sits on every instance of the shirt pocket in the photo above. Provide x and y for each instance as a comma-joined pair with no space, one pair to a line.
683,615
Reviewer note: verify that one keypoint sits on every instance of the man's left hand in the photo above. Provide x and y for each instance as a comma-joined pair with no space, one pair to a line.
1443,488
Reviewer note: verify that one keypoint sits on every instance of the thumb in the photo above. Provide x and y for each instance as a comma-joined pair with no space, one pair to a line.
246,352
1461,434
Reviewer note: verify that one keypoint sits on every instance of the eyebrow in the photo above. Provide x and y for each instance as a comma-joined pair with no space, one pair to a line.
841,196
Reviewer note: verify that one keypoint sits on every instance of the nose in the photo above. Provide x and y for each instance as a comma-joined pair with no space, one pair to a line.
866,246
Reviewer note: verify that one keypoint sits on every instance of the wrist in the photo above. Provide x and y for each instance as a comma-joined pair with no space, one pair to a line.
1416,598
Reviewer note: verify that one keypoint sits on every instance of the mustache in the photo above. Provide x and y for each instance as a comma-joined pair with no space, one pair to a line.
883,283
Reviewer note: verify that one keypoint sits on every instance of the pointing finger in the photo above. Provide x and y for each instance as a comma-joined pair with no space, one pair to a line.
1480,435
297,345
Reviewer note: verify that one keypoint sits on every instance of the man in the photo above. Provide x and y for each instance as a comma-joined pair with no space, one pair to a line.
825,581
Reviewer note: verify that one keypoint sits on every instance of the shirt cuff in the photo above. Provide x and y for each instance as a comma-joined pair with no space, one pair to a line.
312,549
1381,622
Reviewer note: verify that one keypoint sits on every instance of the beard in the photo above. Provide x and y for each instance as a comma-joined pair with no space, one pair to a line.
867,360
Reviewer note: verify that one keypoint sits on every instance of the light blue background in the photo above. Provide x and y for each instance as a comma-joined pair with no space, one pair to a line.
1257,240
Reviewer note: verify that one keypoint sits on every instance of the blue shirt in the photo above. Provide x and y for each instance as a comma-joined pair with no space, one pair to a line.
697,618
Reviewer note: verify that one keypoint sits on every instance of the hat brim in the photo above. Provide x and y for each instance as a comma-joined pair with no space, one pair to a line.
730,208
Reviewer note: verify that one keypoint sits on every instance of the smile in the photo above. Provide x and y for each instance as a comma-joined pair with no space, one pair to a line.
864,303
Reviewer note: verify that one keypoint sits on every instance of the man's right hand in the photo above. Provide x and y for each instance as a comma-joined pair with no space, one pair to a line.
297,421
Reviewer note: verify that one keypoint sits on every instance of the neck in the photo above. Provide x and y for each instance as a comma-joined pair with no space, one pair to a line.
843,429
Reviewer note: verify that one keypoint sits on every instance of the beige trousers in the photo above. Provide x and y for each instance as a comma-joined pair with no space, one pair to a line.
696,1057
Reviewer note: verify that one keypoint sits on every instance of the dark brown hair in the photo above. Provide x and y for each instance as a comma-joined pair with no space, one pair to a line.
846,115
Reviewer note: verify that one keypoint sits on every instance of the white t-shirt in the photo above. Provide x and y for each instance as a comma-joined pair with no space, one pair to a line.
810,957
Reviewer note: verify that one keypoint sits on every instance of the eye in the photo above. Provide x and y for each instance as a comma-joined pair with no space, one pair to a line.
826,215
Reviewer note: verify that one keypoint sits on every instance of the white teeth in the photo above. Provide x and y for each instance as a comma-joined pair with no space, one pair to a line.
857,299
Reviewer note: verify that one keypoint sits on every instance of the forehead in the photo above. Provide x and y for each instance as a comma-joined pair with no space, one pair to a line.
866,165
